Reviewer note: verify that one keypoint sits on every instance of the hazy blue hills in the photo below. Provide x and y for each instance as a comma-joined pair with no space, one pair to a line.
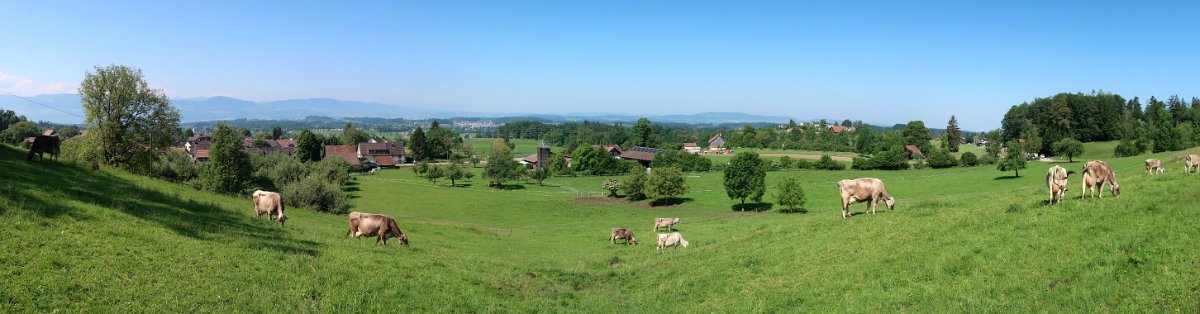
227,108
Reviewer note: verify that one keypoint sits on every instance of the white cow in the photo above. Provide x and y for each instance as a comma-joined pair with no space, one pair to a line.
870,190
670,240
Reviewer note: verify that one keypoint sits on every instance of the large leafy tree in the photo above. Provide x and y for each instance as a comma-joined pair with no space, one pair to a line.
642,133
953,135
308,147
915,133
8,117
352,135
128,118
1014,159
1068,147
500,165
745,177
791,195
228,169
664,183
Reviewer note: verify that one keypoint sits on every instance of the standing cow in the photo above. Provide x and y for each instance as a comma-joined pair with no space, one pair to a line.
1095,175
668,223
1154,166
1190,161
673,239
44,144
268,203
870,190
363,224
622,234
1056,181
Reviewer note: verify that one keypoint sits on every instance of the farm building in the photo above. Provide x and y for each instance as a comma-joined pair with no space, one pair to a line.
716,143
383,154
691,148
346,152
913,152
643,155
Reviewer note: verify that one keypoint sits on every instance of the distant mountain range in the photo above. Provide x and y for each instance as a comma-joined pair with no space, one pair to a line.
226,108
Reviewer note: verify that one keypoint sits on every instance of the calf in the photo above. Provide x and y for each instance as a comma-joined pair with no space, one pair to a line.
623,234
673,239
668,223
376,225
1154,166
870,190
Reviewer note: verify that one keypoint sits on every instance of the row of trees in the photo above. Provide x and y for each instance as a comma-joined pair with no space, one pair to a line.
1102,116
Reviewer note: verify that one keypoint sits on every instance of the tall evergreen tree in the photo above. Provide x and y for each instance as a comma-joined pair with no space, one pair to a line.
418,145
953,135
308,147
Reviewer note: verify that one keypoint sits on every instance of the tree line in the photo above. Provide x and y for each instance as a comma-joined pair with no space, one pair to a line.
1160,126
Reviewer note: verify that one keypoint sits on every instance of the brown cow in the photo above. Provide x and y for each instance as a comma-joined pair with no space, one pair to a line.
376,225
623,234
1191,161
1095,175
269,203
1056,181
668,223
870,190
1154,166
44,144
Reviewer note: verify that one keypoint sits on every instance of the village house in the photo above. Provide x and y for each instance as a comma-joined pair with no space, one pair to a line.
691,148
382,153
643,155
716,144
913,152
346,152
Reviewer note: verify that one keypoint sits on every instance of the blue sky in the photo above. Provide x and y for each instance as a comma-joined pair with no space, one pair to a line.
880,61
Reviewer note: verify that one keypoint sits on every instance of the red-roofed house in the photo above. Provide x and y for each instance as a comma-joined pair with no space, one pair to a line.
913,151
346,152
383,154
200,155
837,129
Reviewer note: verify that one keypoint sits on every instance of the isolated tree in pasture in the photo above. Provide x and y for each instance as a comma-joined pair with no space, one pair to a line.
791,195
635,184
1068,147
228,169
953,135
539,175
500,165
421,168
308,147
455,172
745,177
968,159
128,118
664,183
1014,159
435,173
612,186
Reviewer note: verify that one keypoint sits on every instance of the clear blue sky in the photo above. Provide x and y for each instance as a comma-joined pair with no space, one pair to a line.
880,61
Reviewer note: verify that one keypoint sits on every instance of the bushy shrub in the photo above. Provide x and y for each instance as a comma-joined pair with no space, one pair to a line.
1126,149
316,193
612,186
987,160
785,162
175,167
968,159
634,186
806,164
827,163
939,159
884,160
682,160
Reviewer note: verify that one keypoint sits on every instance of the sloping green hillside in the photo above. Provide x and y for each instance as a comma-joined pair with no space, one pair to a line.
962,239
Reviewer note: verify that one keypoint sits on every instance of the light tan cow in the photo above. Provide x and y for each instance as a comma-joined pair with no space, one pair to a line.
622,234
870,190
1154,166
1191,161
268,203
370,225
1056,181
673,239
1095,175
668,223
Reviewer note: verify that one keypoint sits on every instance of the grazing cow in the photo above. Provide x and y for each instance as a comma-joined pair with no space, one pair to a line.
269,203
670,240
870,190
43,144
623,234
1191,161
668,223
1154,166
1056,181
382,226
1095,175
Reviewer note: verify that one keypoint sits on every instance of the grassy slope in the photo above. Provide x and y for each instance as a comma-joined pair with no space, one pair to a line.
74,239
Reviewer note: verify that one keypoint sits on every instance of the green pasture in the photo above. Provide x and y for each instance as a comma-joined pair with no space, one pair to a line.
960,240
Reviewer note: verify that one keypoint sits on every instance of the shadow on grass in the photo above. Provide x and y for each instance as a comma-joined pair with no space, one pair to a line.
793,210
53,189
755,207
670,201
1006,178
509,187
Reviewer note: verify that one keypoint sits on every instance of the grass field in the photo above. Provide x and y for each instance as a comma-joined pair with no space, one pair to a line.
960,240
523,147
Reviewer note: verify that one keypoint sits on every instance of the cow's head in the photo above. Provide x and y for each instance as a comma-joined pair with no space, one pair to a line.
1116,190
403,239
891,202
282,219
675,221
684,242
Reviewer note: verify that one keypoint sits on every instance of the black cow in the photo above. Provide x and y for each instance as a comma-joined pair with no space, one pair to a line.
43,144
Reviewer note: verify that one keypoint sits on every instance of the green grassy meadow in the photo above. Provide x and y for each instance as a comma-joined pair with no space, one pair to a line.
523,147
960,240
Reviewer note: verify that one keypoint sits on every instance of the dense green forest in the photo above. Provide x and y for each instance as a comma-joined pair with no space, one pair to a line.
1102,116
